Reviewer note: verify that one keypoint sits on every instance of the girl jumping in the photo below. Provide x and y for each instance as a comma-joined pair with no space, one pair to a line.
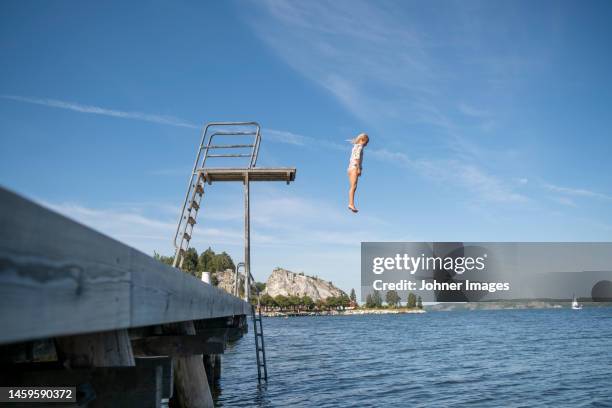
354,168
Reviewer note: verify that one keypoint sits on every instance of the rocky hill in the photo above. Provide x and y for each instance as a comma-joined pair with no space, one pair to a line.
226,280
287,283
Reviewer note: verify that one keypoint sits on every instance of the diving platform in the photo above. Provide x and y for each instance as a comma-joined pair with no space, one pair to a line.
211,175
236,143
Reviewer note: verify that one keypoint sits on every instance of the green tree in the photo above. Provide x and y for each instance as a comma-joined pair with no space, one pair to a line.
294,302
412,300
307,302
392,298
168,260
353,296
370,302
419,302
344,300
267,301
282,302
332,302
205,260
320,304
261,286
222,262
190,262
377,299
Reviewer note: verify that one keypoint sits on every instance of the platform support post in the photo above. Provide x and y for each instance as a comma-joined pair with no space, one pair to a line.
190,381
247,238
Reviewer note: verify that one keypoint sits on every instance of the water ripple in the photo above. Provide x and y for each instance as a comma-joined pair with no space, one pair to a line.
510,358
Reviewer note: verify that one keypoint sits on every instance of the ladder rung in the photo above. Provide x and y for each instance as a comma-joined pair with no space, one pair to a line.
229,155
191,221
236,133
236,146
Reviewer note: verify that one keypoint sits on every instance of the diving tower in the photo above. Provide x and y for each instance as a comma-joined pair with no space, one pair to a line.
236,143
233,142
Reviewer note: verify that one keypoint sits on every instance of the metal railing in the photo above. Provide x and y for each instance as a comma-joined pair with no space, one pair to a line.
236,277
247,282
210,135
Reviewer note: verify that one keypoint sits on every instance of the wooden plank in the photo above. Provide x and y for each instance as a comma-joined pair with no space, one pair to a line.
222,334
53,269
176,346
58,277
104,349
162,294
286,174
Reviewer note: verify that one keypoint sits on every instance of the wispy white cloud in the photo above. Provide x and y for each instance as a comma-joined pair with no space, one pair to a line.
281,136
286,137
577,192
348,48
287,219
385,67
381,61
470,176
273,135
97,110
119,224
456,173
146,232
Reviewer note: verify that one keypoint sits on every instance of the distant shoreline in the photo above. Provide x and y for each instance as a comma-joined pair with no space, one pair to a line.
442,307
511,305
348,312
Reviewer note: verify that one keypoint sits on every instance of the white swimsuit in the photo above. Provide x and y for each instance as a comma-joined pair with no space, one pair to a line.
356,157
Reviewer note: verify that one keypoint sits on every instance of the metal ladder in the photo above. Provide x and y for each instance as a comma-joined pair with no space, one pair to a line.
188,221
260,349
195,188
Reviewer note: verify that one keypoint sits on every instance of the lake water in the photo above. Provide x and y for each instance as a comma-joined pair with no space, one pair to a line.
502,358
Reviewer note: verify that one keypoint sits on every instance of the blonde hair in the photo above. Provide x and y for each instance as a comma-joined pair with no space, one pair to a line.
359,138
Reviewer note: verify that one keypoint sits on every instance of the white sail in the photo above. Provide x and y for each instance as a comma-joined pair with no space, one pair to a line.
575,304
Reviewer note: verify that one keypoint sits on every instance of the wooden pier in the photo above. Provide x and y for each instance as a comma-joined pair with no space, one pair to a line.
80,309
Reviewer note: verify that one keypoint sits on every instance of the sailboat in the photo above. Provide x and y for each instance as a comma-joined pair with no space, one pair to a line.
575,304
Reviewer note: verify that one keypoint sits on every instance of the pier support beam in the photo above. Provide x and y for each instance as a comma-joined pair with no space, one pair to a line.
190,381
104,349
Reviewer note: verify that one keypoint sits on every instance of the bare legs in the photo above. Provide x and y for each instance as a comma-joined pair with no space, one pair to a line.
353,175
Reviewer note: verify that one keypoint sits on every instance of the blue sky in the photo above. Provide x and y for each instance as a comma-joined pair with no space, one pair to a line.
489,121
